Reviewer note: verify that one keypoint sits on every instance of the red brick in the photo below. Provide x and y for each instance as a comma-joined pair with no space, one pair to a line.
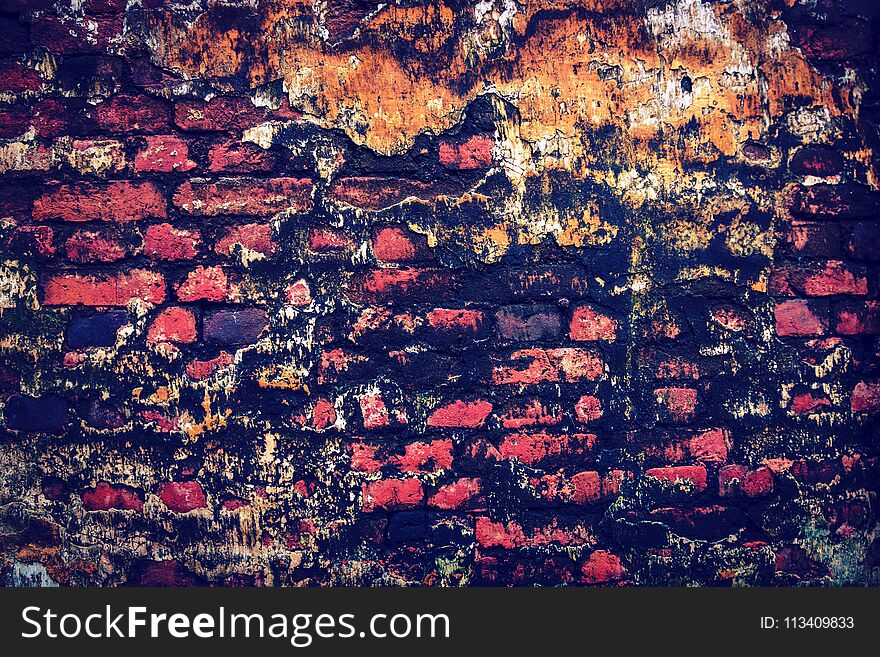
298,293
164,154
533,448
586,487
220,113
73,35
165,242
89,246
806,403
255,237
710,446
589,324
244,197
430,457
323,414
380,193
203,369
16,78
240,157
602,567
474,153
104,290
182,496
380,285
376,414
328,240
132,114
733,479
818,280
454,320
461,414
758,483
532,413
866,397
104,497
693,474
549,365
399,245
588,409
498,534
50,118
858,318
173,325
800,318
115,201
456,495
364,457
391,494
678,404
206,284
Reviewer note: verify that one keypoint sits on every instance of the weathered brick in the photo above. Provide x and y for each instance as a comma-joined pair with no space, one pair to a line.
165,242
182,496
104,496
818,280
379,285
676,404
533,448
799,317
103,289
164,154
461,414
255,237
89,246
231,327
115,201
173,325
528,323
589,324
240,157
220,113
472,153
866,397
530,366
393,244
455,495
693,475
857,317
206,284
392,494
532,413
380,193
244,197
819,161
132,114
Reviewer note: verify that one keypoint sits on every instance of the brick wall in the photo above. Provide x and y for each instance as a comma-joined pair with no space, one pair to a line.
544,293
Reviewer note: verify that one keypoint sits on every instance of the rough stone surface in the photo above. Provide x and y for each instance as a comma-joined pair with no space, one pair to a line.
511,293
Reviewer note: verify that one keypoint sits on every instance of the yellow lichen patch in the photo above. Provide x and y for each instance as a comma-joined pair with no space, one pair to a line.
211,421
282,377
